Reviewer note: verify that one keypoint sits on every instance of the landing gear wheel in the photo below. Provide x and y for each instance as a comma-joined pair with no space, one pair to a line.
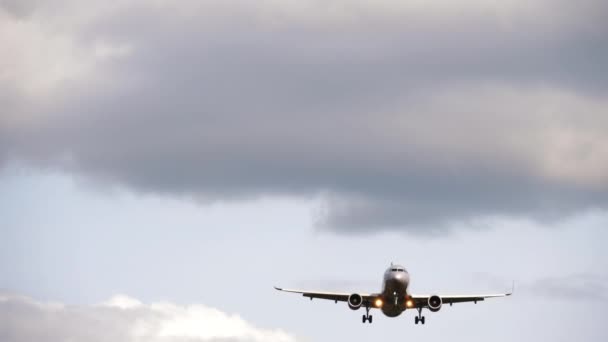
364,318
419,318
370,319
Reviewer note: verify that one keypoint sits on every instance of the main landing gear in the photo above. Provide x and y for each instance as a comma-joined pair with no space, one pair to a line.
367,317
419,318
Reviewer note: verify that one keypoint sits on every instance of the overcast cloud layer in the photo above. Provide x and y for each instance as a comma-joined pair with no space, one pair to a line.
399,115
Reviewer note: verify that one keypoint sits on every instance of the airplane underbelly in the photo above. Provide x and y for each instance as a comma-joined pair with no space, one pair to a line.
392,310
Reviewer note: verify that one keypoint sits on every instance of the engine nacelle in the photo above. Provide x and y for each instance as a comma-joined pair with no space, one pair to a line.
355,301
435,303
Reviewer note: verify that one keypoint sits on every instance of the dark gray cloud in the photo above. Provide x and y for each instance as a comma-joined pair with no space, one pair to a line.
23,320
402,117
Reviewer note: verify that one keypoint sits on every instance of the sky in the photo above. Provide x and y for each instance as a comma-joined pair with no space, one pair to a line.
164,164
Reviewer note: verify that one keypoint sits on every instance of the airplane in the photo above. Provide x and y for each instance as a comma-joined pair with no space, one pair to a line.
395,297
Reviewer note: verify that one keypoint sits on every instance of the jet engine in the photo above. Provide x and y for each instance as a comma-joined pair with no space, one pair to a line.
435,303
354,301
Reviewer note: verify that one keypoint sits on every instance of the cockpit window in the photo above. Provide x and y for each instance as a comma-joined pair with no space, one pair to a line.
397,270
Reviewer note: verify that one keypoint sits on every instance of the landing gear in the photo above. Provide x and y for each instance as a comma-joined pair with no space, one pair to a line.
419,318
367,317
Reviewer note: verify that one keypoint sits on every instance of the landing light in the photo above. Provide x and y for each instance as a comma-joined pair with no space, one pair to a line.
378,303
409,303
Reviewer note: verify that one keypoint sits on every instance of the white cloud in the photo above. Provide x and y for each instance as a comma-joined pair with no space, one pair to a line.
124,319
123,302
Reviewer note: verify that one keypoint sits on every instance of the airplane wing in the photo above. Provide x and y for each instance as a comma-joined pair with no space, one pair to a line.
335,296
422,301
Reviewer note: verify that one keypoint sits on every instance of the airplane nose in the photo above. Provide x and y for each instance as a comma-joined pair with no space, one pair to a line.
402,277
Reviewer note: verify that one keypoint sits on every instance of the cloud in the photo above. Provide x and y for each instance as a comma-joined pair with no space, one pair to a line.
402,116
124,319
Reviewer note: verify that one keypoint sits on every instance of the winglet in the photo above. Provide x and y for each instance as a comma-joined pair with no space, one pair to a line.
278,288
512,289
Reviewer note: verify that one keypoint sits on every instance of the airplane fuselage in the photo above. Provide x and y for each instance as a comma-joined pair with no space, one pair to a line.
394,291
